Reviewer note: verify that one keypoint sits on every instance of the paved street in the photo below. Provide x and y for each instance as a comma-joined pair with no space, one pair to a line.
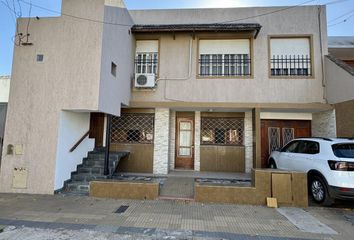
73,217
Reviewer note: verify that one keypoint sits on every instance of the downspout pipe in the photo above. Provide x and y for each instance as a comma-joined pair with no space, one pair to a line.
108,144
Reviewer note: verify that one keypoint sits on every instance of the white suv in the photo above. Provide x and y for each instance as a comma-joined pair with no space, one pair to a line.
329,163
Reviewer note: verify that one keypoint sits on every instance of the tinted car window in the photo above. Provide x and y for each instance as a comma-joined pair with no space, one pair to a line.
308,147
291,147
343,150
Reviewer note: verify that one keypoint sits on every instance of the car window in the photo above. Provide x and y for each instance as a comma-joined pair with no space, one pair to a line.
343,150
308,147
291,147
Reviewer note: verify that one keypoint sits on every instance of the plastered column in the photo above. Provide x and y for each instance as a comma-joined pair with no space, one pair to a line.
161,141
172,140
197,142
248,142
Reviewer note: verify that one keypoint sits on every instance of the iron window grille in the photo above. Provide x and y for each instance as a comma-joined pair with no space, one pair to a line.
146,62
133,128
224,65
222,131
291,65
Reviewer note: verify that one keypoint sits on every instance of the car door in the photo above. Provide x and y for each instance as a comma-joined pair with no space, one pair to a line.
305,155
287,154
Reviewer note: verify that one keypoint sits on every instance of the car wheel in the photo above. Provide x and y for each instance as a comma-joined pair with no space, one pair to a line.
272,164
318,190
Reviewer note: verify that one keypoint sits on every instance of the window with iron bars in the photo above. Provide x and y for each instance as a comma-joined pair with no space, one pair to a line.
133,128
222,131
224,65
146,62
291,65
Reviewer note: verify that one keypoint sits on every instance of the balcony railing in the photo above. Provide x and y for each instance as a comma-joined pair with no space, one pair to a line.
288,65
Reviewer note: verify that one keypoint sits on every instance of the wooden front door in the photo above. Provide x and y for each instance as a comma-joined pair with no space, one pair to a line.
277,133
184,141
97,128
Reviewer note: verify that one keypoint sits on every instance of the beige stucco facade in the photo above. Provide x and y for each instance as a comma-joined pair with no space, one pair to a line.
175,84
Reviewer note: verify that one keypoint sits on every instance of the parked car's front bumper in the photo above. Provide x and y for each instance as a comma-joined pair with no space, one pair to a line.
341,193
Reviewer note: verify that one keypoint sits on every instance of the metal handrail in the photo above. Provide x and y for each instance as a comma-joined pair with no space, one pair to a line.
80,141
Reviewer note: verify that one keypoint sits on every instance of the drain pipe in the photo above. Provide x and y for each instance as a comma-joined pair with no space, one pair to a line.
108,144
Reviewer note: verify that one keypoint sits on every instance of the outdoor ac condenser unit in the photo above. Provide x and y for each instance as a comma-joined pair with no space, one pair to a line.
145,80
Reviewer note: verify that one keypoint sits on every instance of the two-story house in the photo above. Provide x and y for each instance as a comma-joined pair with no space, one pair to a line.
213,90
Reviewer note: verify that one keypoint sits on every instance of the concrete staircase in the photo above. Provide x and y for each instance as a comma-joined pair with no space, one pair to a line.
91,169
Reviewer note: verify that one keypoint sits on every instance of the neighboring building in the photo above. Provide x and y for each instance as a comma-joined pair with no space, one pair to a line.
4,98
340,82
196,93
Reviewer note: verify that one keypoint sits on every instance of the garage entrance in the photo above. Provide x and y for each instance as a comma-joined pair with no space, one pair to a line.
277,133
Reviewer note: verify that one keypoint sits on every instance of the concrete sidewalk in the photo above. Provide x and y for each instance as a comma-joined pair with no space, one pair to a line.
157,219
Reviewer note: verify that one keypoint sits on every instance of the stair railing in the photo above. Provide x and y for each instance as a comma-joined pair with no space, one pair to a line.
80,141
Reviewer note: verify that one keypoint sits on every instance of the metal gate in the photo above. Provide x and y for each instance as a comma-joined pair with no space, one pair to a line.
3,108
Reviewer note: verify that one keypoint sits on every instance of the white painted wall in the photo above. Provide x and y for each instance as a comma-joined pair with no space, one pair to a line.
340,83
118,47
286,116
72,126
4,89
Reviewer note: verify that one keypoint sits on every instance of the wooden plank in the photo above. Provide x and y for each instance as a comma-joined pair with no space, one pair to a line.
97,128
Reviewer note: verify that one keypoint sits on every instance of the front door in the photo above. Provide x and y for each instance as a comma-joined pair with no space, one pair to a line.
184,141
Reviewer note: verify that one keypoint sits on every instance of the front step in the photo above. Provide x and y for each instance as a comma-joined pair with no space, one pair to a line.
92,168
176,199
177,188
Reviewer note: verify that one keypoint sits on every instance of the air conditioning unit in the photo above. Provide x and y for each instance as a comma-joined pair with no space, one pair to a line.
145,80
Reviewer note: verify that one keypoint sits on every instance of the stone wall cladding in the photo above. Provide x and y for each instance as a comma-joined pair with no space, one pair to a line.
324,124
197,142
161,141
248,142
172,140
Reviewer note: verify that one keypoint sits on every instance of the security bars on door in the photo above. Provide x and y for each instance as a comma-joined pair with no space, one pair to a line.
291,65
222,131
146,62
224,65
133,128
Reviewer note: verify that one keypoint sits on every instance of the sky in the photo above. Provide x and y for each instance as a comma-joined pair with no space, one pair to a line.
340,15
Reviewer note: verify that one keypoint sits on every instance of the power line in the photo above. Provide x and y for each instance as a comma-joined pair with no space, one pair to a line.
76,17
343,21
335,2
345,14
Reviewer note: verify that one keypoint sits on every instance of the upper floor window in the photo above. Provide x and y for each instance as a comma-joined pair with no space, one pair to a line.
290,56
224,58
146,56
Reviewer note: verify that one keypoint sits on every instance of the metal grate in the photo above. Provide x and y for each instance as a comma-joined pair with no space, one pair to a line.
146,62
133,128
222,131
224,65
273,138
288,135
122,209
288,65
